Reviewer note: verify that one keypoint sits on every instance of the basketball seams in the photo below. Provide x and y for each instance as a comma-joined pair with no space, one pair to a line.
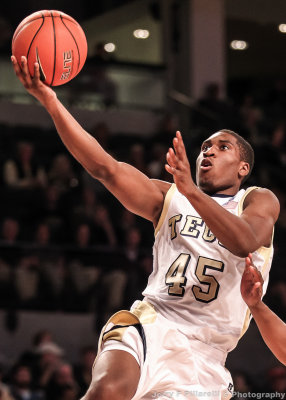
62,19
21,27
55,50
40,17
43,21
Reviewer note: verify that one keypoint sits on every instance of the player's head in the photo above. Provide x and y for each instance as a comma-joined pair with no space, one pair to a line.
224,163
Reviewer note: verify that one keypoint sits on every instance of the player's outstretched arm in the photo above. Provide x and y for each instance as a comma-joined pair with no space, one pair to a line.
240,235
271,327
133,189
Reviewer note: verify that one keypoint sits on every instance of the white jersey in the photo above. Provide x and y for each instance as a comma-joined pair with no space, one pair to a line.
195,280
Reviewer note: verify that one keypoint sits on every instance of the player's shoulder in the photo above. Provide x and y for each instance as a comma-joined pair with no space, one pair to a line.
261,195
164,186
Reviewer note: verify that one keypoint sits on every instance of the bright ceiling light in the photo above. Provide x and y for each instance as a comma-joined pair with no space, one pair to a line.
109,47
141,33
282,28
239,45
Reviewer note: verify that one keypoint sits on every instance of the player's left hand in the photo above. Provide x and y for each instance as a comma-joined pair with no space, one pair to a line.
251,283
33,85
179,166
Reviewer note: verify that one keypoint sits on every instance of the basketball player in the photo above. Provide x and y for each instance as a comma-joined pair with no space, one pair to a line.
271,327
174,343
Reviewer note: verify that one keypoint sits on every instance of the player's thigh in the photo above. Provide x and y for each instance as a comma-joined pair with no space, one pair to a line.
115,376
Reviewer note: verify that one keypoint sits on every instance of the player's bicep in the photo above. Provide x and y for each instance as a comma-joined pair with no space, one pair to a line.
261,212
136,191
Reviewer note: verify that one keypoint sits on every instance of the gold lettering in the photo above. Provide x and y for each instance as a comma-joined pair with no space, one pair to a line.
208,236
172,223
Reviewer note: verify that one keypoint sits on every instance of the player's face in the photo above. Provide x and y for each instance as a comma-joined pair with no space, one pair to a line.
219,166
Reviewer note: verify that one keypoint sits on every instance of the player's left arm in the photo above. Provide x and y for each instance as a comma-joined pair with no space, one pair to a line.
239,234
271,327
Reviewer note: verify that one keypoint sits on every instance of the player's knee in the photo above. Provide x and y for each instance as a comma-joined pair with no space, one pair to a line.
107,391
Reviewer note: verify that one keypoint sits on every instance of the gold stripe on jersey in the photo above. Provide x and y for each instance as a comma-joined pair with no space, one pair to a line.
241,201
115,334
145,312
167,201
265,252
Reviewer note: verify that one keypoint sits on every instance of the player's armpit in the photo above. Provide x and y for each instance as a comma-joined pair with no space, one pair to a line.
261,211
136,192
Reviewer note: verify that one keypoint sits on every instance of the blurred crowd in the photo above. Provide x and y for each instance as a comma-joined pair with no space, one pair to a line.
44,372
66,244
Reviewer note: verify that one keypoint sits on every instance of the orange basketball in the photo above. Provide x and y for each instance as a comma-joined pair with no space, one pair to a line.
54,40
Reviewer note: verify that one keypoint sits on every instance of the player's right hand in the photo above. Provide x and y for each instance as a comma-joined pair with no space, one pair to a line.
33,85
178,165
251,283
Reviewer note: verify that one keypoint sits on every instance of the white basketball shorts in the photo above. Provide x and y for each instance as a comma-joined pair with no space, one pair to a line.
172,365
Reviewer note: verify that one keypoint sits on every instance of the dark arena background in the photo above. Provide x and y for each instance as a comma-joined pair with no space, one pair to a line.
70,255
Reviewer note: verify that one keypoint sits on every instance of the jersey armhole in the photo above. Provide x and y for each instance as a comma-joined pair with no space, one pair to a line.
241,201
165,208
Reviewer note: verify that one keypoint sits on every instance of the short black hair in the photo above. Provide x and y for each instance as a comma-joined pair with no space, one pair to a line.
245,150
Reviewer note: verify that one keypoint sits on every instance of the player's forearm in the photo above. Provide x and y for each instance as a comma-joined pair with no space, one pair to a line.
232,231
80,143
272,329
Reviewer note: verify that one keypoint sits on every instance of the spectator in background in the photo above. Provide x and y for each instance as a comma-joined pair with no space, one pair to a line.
50,357
83,236
42,234
30,356
96,217
137,157
4,388
23,172
62,383
243,386
276,380
82,370
9,237
10,230
62,174
51,212
156,166
32,287
21,384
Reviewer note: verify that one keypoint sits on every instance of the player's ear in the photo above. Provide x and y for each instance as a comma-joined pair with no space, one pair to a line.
243,169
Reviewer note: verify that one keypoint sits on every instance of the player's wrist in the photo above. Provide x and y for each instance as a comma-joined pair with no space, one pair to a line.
49,100
256,307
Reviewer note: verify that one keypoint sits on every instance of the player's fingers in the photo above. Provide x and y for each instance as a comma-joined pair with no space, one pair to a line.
171,157
170,169
257,275
257,285
25,71
179,145
247,269
18,70
36,72
258,289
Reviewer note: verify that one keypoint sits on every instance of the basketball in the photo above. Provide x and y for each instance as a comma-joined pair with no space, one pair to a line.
53,39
